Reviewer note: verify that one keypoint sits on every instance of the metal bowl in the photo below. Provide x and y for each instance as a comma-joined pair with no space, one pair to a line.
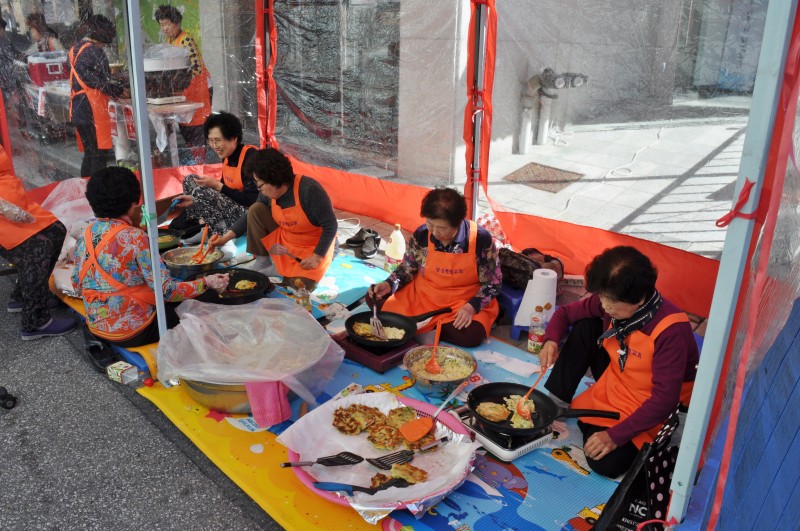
177,261
439,388
225,398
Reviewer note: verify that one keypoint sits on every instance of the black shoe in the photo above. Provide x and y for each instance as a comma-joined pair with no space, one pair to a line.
100,353
360,237
370,247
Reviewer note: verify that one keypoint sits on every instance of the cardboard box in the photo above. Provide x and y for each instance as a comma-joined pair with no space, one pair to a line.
47,66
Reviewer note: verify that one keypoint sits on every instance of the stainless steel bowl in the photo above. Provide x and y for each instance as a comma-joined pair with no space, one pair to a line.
225,398
177,261
431,385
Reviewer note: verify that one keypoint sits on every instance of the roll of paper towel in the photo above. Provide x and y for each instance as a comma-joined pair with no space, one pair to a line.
541,291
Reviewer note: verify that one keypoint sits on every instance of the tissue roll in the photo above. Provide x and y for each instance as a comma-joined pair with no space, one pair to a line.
540,291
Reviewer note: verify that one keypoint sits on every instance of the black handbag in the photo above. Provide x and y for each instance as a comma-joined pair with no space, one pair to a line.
518,268
643,493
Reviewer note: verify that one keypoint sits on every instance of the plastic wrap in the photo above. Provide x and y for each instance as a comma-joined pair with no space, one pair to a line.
14,213
263,341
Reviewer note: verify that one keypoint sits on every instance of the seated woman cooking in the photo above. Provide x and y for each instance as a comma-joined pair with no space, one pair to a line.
640,348
293,214
113,268
449,261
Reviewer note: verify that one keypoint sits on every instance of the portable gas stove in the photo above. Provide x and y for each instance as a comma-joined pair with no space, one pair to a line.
379,360
504,447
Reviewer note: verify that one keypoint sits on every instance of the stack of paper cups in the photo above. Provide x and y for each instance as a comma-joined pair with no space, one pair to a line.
541,291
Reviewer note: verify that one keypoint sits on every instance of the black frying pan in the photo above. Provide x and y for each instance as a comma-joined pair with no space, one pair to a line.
171,244
546,410
231,296
408,324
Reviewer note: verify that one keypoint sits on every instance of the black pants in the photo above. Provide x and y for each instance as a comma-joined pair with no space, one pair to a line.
35,259
94,158
579,354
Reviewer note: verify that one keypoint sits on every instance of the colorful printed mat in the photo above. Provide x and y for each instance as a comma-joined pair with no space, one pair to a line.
346,281
548,488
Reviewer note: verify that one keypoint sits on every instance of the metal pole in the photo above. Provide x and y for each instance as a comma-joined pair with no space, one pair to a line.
760,124
132,18
480,60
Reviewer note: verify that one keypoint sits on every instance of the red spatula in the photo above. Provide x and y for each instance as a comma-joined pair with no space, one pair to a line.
414,430
433,366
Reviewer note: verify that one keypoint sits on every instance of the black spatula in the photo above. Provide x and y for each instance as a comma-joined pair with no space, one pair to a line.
342,458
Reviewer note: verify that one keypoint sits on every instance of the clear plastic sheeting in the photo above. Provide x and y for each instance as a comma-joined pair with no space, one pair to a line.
627,116
40,131
263,341
374,87
782,286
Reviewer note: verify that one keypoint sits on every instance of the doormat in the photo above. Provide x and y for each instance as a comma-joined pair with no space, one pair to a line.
543,177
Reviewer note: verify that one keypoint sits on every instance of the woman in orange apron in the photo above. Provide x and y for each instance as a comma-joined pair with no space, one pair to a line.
113,267
640,348
31,238
91,88
220,202
449,262
169,18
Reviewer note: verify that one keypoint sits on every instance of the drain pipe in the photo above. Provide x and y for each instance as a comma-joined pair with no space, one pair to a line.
526,118
545,115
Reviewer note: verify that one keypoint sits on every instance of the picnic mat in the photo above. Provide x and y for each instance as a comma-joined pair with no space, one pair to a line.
548,488
346,281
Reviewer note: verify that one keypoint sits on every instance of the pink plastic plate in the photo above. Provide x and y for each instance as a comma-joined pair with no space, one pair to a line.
423,409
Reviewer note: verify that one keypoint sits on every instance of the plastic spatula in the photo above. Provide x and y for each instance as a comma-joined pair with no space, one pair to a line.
342,458
433,366
416,429
523,411
163,217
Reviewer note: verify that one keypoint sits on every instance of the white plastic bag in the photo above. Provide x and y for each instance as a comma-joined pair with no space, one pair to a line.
262,341
67,201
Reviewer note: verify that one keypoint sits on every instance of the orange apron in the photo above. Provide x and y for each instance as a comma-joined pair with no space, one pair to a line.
296,233
142,294
197,91
448,279
98,101
232,175
626,391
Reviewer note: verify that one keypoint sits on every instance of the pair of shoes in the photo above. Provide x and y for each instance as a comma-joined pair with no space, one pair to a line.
370,247
101,354
57,326
16,306
360,237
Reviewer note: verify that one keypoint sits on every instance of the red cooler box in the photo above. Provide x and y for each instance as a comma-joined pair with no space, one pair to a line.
48,66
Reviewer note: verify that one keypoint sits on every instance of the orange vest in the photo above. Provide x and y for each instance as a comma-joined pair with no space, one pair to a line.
98,101
626,391
448,279
197,91
142,293
299,236
11,190
232,175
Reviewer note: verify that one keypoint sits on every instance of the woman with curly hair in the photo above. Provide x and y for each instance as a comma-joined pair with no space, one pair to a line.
114,270
45,38
292,210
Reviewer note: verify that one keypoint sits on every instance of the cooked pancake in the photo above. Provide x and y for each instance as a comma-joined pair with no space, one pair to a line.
166,238
492,411
416,445
399,416
384,437
365,330
378,480
409,472
367,416
245,285
345,422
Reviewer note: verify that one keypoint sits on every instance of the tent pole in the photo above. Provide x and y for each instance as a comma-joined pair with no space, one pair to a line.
735,252
139,101
480,62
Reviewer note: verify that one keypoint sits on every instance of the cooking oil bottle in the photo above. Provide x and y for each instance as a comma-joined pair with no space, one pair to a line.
395,249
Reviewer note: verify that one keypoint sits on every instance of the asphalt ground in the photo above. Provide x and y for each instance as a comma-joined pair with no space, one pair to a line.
80,451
